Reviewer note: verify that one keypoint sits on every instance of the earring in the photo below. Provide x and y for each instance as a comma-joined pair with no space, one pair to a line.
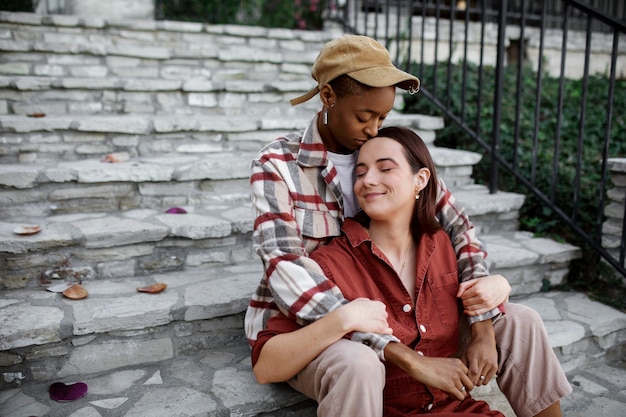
417,196
326,113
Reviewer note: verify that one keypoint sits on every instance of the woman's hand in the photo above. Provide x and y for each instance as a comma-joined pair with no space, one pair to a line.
446,374
364,315
481,356
482,295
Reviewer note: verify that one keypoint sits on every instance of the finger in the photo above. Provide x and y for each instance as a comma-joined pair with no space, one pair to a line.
459,393
467,383
464,286
474,371
472,301
481,376
489,376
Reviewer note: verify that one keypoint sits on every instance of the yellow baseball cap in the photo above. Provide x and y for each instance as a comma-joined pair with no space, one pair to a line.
361,58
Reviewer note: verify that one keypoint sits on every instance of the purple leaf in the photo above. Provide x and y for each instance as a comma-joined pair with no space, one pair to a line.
176,210
67,392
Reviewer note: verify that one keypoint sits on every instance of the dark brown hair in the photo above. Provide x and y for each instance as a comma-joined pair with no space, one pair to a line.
424,220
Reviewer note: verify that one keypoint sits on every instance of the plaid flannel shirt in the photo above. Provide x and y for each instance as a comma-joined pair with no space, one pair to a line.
297,204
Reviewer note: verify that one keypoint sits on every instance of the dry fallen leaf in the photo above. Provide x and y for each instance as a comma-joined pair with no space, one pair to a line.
154,288
76,292
28,229
116,157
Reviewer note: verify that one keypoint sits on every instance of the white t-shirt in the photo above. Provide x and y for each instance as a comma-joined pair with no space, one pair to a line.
345,164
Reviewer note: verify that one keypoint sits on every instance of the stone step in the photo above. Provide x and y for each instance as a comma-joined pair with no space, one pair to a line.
46,335
212,373
32,95
64,64
531,264
76,137
491,213
40,190
71,46
90,210
114,306
130,243
146,239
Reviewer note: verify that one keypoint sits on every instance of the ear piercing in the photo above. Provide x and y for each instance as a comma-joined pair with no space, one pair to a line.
326,113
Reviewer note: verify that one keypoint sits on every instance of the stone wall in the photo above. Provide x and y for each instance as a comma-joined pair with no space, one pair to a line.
612,228
108,10
599,62
113,9
431,51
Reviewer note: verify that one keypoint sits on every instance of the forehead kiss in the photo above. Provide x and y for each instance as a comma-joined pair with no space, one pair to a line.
381,148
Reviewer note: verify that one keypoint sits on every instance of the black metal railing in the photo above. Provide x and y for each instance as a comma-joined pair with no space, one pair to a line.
441,34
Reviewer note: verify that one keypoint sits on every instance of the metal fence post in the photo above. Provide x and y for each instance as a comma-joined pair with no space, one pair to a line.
497,103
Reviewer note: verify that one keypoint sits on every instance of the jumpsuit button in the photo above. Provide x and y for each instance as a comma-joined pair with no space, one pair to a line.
419,352
406,308
422,328
429,407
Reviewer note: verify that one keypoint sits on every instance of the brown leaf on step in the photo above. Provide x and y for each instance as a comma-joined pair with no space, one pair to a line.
76,292
154,288
36,115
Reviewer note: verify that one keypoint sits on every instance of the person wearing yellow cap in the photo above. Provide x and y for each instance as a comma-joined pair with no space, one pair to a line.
302,191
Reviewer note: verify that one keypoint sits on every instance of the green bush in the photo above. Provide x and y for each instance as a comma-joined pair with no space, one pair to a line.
16,5
535,216
292,14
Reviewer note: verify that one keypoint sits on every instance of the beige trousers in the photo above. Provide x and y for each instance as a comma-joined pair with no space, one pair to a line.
347,379
529,373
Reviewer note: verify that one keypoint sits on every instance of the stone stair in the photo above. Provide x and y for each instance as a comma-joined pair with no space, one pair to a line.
188,104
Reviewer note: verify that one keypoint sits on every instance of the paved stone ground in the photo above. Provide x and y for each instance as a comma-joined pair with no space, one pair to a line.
219,382
180,388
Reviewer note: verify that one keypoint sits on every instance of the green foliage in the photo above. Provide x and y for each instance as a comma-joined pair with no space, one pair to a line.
290,14
16,5
539,166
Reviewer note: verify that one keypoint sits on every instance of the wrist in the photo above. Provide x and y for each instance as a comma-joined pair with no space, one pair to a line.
402,356
483,331
341,320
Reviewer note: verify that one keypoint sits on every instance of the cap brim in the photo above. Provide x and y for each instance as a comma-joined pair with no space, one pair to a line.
305,97
386,77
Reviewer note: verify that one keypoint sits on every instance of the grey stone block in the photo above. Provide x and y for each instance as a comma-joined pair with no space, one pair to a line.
111,231
22,324
101,357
